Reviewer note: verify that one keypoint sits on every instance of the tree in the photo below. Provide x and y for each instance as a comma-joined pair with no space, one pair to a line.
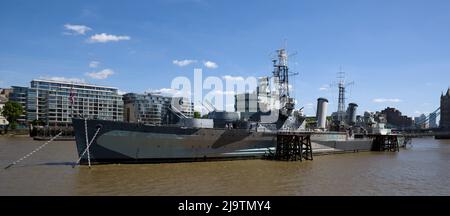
197,115
12,111
311,122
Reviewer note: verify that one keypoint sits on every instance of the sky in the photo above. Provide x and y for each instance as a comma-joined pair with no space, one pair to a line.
397,52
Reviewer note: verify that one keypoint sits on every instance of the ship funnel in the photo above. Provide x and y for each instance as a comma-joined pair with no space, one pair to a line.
322,109
351,113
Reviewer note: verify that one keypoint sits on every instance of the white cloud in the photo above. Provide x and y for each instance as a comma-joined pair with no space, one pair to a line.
183,63
93,64
103,74
309,106
168,92
210,65
233,78
64,79
387,100
120,92
324,88
104,38
76,29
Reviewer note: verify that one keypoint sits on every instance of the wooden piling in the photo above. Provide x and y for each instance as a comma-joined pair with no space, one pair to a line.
293,147
386,143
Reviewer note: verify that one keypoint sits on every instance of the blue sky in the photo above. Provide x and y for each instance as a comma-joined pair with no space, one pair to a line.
396,51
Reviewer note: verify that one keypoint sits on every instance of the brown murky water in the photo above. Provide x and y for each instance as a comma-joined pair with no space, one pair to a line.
423,169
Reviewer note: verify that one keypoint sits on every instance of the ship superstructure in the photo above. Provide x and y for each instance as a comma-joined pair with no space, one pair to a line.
222,136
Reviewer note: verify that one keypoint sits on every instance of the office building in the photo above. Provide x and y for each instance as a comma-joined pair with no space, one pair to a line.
395,118
3,121
156,109
19,94
433,120
55,102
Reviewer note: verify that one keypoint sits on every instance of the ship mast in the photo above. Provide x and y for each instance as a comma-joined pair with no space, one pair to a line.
281,79
341,101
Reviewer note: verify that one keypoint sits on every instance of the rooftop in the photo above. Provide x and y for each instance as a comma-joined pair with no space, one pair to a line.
71,83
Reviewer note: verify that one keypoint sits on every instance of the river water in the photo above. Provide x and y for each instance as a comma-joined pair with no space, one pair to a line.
423,169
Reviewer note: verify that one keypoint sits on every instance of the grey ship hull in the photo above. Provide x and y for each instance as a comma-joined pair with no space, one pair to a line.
119,142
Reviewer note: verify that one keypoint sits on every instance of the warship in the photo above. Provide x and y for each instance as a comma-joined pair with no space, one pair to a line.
221,136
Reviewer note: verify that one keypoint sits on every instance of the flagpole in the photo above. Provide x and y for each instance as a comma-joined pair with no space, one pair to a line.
71,98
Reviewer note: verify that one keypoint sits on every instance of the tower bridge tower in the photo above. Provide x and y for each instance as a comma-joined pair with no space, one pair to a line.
445,110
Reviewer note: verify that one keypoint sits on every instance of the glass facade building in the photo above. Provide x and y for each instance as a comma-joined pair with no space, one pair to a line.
50,102
19,94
